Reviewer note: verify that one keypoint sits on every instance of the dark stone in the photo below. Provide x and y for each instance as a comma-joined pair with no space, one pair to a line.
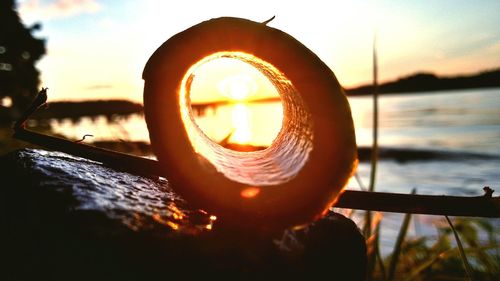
68,218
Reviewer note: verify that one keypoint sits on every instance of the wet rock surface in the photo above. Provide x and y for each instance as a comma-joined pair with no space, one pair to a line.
69,218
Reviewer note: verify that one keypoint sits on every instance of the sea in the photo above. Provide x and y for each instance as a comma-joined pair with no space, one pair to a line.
458,121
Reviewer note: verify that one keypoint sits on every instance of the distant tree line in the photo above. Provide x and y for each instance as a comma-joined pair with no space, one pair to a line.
19,51
76,110
422,82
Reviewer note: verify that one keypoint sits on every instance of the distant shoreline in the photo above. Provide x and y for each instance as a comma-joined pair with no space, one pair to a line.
423,93
428,82
398,154
414,84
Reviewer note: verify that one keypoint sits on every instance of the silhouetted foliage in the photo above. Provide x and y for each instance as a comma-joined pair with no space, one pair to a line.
421,82
76,110
19,51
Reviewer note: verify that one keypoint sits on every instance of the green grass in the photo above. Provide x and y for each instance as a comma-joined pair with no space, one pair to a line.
442,257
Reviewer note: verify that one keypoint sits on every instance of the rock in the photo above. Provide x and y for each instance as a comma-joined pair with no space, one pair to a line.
69,218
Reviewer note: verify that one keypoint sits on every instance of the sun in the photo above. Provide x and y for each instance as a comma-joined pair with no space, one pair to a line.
233,101
237,87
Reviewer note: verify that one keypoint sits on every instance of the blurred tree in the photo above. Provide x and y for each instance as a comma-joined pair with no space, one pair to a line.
19,51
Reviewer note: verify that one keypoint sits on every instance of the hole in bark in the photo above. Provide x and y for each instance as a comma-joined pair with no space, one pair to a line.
276,164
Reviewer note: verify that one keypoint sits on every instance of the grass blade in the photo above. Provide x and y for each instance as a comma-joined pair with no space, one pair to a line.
359,181
398,245
374,155
372,245
378,256
373,170
468,269
424,266
444,255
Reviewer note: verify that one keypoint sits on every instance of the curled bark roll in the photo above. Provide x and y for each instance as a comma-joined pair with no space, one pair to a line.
308,164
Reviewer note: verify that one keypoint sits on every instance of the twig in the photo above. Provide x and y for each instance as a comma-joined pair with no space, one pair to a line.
268,21
473,206
84,136
479,206
117,160
39,100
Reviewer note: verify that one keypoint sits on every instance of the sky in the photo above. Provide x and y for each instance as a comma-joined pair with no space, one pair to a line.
98,49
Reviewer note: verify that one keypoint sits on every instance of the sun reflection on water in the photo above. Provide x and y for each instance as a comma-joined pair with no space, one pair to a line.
242,132
228,97
239,88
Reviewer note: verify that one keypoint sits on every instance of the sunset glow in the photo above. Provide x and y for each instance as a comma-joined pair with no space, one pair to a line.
238,87
203,115
250,192
239,139
232,88
407,33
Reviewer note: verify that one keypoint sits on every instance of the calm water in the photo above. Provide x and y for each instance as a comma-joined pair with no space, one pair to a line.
465,120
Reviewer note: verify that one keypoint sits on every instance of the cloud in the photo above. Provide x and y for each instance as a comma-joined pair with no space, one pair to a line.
38,10
98,87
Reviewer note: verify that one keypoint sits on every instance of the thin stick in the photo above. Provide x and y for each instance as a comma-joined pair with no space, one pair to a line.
474,206
479,206
39,100
116,160
84,137
269,20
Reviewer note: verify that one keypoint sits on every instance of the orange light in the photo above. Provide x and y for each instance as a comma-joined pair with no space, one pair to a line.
157,217
376,219
233,101
177,216
250,192
176,213
213,218
173,225
241,124
237,87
